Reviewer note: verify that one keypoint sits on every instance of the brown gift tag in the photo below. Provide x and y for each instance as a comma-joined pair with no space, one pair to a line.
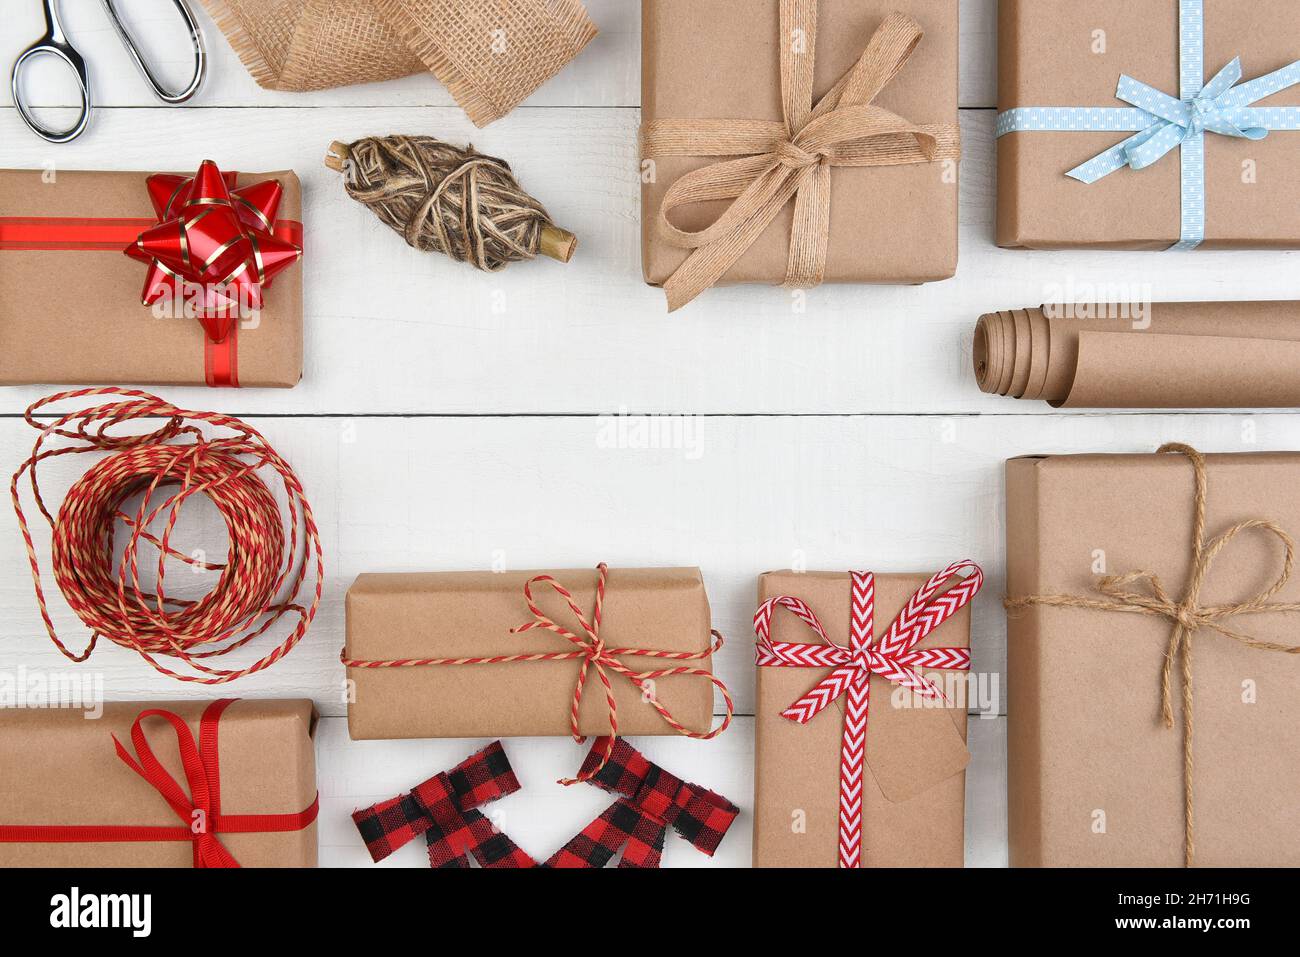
914,813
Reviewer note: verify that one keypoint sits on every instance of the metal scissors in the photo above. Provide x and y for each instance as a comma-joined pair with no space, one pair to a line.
55,43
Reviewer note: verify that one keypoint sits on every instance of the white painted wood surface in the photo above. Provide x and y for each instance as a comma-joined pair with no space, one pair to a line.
450,419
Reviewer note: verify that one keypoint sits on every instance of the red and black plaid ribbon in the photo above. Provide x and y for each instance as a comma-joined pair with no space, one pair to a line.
445,809
650,801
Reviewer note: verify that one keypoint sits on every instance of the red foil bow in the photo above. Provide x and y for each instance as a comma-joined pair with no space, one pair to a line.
199,811
445,809
894,657
215,248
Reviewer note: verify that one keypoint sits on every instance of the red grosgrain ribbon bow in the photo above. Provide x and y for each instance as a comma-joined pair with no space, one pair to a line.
894,657
200,810
594,655
445,809
213,251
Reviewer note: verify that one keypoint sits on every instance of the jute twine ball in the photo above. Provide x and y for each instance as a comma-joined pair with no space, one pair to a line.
449,199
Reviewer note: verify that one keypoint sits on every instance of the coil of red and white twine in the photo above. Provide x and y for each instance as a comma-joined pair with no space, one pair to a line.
266,568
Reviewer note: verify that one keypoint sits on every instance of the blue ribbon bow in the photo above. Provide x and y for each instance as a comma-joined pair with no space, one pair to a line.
1162,123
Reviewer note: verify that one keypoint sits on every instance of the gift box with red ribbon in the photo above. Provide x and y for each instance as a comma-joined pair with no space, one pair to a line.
860,752
213,297
227,783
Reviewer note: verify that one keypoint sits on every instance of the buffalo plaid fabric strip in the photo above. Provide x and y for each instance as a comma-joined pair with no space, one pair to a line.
445,810
651,800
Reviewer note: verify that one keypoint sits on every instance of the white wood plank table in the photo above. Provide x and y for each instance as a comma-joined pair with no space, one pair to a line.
450,419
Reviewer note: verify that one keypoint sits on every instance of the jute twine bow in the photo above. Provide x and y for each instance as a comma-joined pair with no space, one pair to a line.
1186,614
449,199
593,655
793,158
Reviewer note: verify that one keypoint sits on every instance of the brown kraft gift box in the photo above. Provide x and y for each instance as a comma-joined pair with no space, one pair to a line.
471,614
914,789
74,317
1096,777
720,59
59,767
1046,58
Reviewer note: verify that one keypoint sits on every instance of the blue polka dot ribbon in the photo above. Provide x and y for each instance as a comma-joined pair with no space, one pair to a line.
1162,123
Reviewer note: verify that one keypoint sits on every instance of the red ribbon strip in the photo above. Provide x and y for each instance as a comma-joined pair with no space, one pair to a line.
593,654
894,657
99,234
200,810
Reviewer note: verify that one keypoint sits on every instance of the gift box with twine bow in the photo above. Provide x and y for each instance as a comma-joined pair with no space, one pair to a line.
798,142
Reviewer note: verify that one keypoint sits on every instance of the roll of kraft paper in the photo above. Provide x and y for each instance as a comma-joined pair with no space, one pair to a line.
1175,355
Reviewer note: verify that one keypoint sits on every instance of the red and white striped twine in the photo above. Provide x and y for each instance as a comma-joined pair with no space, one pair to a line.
266,566
593,654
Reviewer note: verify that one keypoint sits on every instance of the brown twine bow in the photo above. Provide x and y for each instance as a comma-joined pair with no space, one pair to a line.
448,199
793,158
1187,614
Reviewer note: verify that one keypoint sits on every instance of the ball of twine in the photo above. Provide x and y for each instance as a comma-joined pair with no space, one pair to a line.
449,199
140,488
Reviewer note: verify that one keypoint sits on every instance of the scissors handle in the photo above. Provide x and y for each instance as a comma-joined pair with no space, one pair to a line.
196,38
54,43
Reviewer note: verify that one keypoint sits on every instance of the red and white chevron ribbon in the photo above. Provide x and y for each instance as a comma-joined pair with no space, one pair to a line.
894,657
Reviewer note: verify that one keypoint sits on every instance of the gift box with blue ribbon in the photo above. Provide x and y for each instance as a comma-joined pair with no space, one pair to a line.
1164,124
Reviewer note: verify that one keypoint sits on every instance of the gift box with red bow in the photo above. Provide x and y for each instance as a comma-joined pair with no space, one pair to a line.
209,291
859,752
228,783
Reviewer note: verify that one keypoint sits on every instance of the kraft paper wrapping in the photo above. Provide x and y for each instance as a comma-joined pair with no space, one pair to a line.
58,766
470,614
1222,355
913,794
1095,778
74,317
1046,57
718,59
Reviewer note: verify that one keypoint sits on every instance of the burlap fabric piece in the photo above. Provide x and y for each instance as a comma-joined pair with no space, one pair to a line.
491,54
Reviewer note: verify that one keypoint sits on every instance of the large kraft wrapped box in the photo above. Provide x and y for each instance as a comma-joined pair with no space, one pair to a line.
70,300
1096,777
393,617
914,785
59,767
1061,53
720,60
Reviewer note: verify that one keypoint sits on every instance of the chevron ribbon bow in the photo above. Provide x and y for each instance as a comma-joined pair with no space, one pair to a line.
766,164
1162,123
445,809
894,657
